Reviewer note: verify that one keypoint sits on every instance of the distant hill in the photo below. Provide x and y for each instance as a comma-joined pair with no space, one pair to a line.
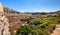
8,10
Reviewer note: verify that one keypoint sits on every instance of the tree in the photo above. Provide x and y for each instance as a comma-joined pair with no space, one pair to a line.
35,21
43,13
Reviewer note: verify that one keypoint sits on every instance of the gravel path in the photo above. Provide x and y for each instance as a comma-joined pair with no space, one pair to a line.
57,30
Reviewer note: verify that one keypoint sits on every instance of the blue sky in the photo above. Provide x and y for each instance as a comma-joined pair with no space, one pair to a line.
32,5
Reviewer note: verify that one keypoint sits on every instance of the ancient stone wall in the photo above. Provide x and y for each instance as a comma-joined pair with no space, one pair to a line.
4,25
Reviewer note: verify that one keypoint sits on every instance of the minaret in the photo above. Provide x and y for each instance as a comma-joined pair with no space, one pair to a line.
4,25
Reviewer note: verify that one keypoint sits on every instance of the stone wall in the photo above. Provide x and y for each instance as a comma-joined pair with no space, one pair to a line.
4,24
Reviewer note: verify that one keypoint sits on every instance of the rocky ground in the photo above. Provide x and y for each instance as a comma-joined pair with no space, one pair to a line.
57,30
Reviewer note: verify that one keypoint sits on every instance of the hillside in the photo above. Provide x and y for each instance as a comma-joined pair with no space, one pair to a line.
13,22
16,17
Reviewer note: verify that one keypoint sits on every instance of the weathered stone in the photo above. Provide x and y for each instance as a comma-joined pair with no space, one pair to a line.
4,25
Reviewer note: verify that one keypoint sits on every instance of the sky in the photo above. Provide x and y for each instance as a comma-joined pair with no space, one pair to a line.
32,5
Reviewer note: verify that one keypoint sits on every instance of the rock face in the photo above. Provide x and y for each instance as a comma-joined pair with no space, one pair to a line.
4,25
